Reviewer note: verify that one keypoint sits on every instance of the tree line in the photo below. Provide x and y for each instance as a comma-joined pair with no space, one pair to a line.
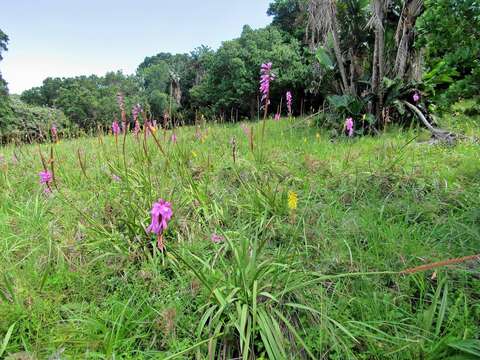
358,58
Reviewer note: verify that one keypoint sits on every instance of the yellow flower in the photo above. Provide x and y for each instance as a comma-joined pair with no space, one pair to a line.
194,154
154,129
292,200
318,136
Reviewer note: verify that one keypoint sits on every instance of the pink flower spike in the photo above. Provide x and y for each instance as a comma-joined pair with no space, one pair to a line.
161,214
115,128
216,239
289,102
266,76
349,126
45,177
173,139
277,117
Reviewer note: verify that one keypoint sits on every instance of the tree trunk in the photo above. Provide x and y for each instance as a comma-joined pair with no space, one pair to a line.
336,47
378,62
412,9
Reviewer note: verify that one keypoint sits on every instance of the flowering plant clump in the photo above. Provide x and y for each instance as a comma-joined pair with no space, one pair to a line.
349,126
161,214
289,102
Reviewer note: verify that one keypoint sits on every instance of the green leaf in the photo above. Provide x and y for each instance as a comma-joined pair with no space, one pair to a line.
324,58
469,346
6,339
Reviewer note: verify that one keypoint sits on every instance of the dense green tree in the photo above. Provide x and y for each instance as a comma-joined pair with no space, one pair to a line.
289,16
88,101
5,109
450,33
31,123
231,79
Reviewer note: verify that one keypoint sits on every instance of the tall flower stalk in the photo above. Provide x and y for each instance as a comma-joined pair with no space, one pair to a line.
349,126
266,76
121,105
136,110
115,130
289,98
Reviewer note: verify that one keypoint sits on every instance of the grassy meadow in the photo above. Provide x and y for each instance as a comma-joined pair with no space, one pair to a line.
311,234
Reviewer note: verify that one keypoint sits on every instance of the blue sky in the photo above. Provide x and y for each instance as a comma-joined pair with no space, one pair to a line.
73,37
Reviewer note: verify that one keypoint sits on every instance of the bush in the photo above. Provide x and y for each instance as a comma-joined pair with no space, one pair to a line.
27,123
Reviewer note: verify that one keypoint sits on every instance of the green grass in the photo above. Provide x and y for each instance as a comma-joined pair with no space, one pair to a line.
80,277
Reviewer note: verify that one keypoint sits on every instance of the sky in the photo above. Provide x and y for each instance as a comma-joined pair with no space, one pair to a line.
61,38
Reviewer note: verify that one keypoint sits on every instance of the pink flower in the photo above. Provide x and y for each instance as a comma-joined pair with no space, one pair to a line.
45,177
116,178
277,117
416,97
53,130
173,139
161,214
115,128
266,76
349,126
289,102
217,238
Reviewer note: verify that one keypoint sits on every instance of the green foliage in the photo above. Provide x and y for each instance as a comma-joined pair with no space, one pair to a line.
87,101
324,58
3,43
449,31
31,123
5,109
289,16
232,73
